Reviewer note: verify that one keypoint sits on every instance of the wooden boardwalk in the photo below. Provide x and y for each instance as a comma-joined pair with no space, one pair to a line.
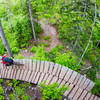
36,71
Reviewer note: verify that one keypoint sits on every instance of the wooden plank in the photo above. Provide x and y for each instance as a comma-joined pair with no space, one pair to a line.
58,71
14,75
21,74
37,78
86,83
31,77
45,77
90,86
95,98
41,78
18,74
72,93
24,74
30,64
8,75
14,72
55,69
73,76
82,82
98,98
59,81
70,89
34,65
63,72
49,79
11,74
27,64
83,95
77,94
38,66
46,67
42,66
51,67
28,75
77,79
92,97
68,75
54,80
1,65
62,83
80,79
87,96
24,64
2,73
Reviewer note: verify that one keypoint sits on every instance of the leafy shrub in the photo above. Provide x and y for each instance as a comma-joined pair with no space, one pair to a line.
41,54
12,96
19,91
46,45
25,97
68,60
2,47
20,56
96,89
2,97
47,37
16,82
33,49
15,50
1,90
52,91
1,80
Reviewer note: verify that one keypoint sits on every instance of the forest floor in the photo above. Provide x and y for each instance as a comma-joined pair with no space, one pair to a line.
47,30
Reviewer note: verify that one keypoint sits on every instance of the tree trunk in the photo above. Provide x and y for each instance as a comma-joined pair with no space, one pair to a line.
90,35
32,23
5,41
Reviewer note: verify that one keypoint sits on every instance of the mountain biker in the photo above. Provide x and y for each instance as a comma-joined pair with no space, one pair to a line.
6,60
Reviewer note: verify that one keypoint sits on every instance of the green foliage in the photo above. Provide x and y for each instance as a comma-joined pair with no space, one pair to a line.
29,84
67,59
19,91
33,49
1,90
2,97
1,81
16,82
12,96
25,97
52,91
20,56
2,48
96,89
41,54
46,45
15,50
19,34
47,37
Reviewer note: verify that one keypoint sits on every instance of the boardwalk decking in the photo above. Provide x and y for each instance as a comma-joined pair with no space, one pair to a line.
37,71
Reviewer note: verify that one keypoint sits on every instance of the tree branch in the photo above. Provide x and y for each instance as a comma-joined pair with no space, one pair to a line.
90,35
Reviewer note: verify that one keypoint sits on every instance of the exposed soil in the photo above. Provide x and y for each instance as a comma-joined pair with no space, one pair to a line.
52,31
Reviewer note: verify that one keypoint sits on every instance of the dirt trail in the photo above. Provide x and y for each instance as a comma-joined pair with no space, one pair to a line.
48,30
52,31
